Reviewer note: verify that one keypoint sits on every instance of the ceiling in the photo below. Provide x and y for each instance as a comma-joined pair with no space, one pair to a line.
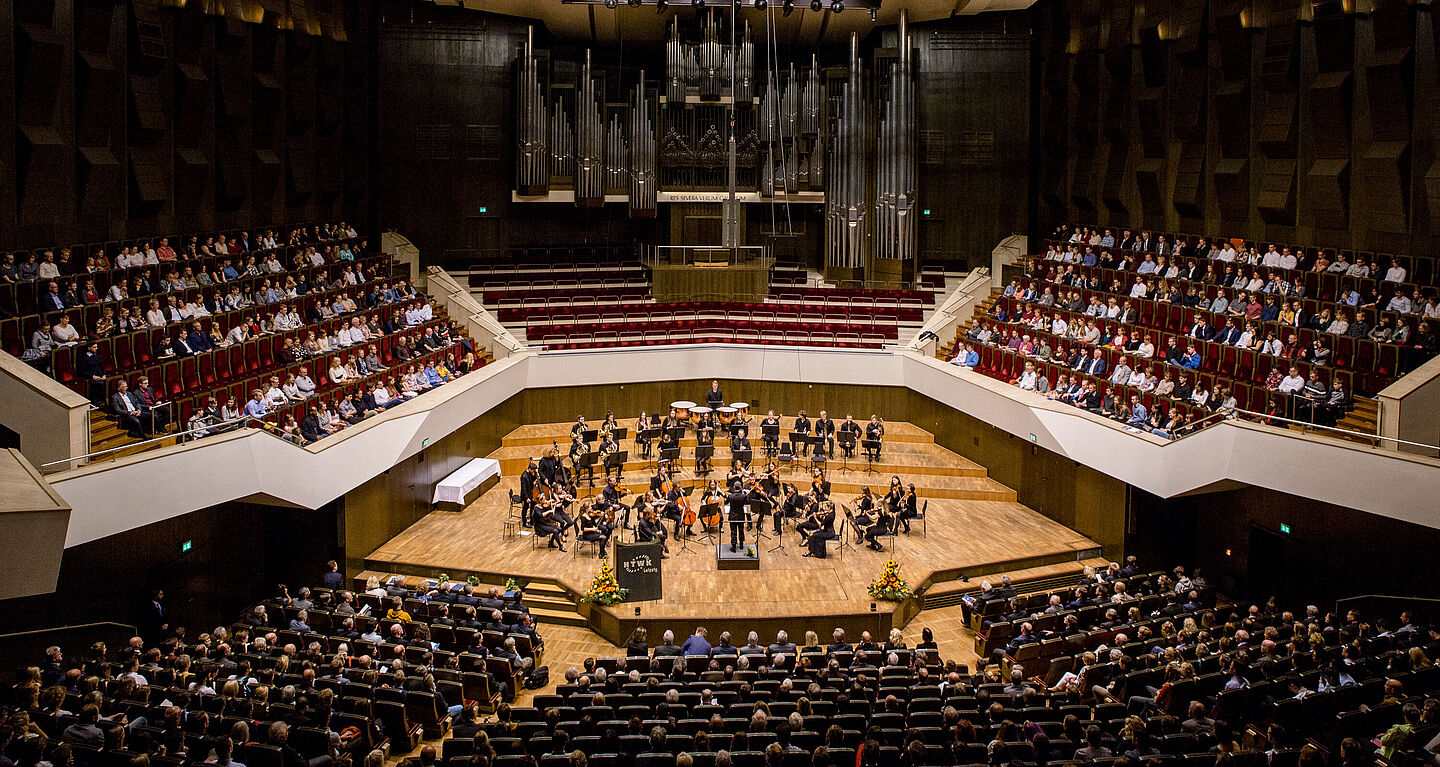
591,23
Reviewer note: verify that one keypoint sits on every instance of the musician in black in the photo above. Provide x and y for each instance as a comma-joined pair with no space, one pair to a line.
714,398
547,522
802,426
853,429
668,441
672,421
608,448
549,466
578,449
740,447
820,486
770,441
908,510
591,528
704,437
528,478
736,501
874,431
649,528
642,442
867,518
611,500
579,428
824,427
825,530
793,506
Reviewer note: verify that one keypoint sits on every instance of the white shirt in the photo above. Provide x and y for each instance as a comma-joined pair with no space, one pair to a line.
1288,261
1146,349
1059,326
1138,291
1227,255
1395,274
1272,259
1291,384
1027,380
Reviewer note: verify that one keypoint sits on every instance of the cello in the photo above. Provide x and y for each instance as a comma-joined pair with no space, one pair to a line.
682,502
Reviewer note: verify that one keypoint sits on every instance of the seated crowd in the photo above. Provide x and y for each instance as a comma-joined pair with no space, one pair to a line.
1231,330
1123,669
229,310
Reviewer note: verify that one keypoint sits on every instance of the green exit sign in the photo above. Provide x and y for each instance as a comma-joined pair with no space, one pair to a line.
1284,528
186,546
484,209
925,212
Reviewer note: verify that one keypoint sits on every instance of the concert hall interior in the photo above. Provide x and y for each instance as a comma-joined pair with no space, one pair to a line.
774,383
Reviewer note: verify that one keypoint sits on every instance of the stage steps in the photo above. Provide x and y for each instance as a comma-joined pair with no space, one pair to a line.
549,602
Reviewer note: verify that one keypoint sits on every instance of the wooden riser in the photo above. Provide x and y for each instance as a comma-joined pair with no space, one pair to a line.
512,464
843,486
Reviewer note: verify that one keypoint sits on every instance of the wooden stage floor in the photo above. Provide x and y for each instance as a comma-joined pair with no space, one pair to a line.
974,526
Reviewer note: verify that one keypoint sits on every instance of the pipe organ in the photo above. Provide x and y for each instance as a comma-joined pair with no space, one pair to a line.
794,131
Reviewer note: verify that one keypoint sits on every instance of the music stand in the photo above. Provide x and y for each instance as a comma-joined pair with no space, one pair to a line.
845,440
677,431
871,447
799,438
705,453
684,539
616,461
768,430
709,532
619,432
586,463
650,434
848,519
589,435
669,457
780,536
736,456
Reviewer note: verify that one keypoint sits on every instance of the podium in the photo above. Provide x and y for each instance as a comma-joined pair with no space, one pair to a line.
637,568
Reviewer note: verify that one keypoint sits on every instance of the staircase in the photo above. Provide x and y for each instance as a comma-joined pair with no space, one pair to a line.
1364,417
945,351
549,603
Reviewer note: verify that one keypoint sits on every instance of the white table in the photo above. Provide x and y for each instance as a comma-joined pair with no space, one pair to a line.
455,487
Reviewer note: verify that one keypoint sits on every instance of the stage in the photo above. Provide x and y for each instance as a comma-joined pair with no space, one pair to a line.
974,526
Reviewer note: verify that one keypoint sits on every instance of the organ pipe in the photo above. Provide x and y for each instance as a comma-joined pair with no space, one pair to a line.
845,199
643,171
532,171
895,159
589,140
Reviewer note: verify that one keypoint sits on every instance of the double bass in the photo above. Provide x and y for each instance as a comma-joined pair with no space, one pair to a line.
682,502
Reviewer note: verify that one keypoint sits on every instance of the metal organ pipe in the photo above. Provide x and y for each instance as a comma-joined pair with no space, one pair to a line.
589,140
532,162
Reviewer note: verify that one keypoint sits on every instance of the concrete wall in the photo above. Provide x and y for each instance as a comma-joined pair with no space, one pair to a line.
52,421
1410,410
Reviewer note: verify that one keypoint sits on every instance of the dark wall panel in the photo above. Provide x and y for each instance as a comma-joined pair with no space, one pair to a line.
1273,121
128,120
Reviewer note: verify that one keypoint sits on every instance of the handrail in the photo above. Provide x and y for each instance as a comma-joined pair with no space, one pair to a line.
1192,429
196,433
72,627
1351,432
1386,597
474,310
947,311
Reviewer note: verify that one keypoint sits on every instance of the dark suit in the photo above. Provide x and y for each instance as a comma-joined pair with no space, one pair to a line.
129,411
737,501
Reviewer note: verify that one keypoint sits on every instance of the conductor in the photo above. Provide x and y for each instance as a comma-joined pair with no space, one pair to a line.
714,398
737,499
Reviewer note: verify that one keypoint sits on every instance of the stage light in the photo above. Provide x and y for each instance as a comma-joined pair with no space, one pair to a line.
698,5
874,15
761,5
815,5
836,6
611,4
787,8
635,3
661,5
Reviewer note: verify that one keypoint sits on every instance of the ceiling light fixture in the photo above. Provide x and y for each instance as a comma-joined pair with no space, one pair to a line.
787,8
815,5
836,6
761,5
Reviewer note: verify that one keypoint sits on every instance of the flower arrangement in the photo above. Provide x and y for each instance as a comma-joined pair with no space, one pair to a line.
604,589
443,578
890,586
473,580
511,585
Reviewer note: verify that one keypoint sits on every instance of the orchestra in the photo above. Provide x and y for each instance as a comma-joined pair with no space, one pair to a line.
742,499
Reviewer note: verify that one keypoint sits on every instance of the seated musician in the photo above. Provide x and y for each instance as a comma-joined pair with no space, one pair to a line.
908,510
672,421
770,481
668,441
802,426
642,443
528,479
793,507
820,486
671,507
815,542
578,449
874,431
869,520
547,522
608,448
610,500
740,447
649,528
852,429
608,426
894,497
770,441
579,427
824,427
704,437
714,496
809,507
592,529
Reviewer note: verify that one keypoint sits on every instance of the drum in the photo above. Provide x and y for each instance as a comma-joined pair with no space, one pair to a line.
682,408
700,410
727,414
743,408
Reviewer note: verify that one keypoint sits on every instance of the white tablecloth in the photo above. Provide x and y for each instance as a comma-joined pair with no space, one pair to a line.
468,477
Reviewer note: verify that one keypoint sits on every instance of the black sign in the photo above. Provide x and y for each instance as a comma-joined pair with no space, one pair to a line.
637,568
